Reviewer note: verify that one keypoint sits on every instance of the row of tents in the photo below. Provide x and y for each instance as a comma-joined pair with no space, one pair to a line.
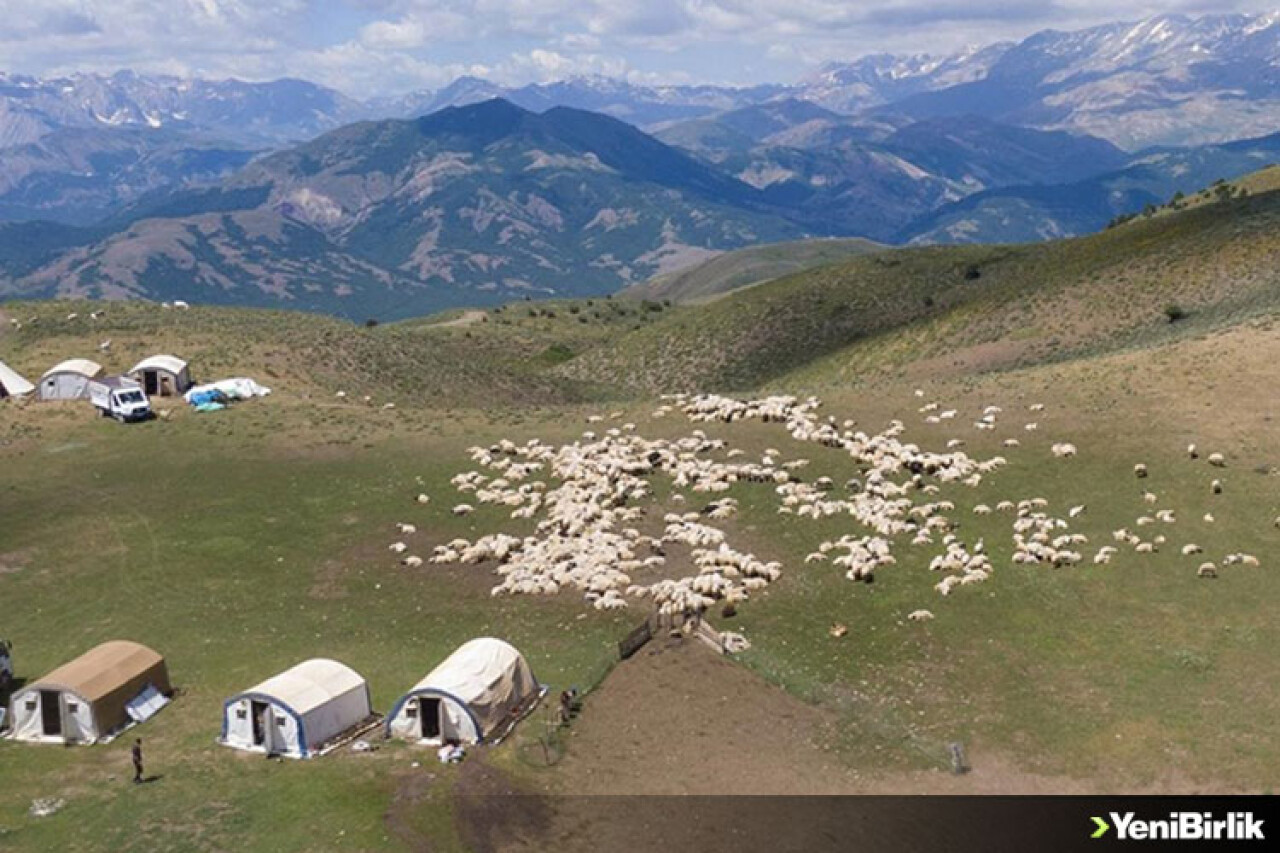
157,375
476,695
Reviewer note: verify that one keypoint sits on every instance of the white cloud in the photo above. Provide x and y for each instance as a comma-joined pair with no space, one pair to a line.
377,46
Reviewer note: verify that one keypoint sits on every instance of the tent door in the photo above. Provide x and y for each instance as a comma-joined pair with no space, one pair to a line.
150,382
51,712
429,715
258,711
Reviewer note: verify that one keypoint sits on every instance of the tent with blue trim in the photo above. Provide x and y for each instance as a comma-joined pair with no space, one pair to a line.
297,712
476,695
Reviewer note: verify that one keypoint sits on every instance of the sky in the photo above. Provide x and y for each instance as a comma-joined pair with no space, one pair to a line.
367,48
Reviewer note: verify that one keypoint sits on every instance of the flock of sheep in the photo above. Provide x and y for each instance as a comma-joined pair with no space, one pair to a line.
590,497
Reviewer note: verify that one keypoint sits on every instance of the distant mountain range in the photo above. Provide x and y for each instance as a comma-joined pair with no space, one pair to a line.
477,204
290,192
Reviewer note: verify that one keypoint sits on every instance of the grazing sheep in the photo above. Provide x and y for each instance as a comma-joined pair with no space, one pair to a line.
1192,452
1216,487
1191,548
463,509
411,562
180,305
1140,470
1217,460
838,630
1075,511
423,499
1207,570
1208,518
398,547
1149,497
920,616
1064,450
406,529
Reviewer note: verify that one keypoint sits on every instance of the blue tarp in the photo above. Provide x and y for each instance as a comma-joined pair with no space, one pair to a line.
204,398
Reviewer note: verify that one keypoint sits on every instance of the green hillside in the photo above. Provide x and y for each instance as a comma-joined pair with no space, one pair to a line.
746,267
948,311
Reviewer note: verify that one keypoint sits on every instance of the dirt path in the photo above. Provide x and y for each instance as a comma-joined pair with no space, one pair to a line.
468,318
679,719
682,725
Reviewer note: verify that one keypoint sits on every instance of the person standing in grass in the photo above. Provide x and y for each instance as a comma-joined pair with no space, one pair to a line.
137,761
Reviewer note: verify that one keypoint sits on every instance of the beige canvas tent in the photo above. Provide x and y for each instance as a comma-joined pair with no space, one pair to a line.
12,384
106,689
162,375
477,694
298,711
69,380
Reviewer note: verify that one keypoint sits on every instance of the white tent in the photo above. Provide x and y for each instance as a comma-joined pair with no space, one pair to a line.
11,384
477,694
105,690
69,380
162,375
298,711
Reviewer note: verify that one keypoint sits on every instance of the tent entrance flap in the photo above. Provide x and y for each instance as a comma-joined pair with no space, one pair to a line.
258,712
429,716
51,712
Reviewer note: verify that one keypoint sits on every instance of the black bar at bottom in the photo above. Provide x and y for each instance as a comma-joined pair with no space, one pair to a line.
1030,824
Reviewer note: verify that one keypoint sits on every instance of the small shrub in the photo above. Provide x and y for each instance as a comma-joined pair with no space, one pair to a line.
1175,313
370,323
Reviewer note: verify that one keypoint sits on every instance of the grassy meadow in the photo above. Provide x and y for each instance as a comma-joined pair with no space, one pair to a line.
240,542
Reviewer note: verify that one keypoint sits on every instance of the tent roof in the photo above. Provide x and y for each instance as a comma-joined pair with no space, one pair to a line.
76,365
472,668
168,363
13,383
101,670
310,684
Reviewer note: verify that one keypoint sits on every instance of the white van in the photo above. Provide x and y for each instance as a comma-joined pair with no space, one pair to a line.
119,397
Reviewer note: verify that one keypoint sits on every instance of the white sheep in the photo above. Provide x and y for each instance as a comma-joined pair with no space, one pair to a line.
920,616
463,509
412,561
1217,460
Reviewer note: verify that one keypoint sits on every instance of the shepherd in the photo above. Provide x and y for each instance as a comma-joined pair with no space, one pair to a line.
137,761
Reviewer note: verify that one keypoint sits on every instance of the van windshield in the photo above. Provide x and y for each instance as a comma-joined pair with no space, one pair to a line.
130,397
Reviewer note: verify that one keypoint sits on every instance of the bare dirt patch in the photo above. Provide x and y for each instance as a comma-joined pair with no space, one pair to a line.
14,561
679,719
468,318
